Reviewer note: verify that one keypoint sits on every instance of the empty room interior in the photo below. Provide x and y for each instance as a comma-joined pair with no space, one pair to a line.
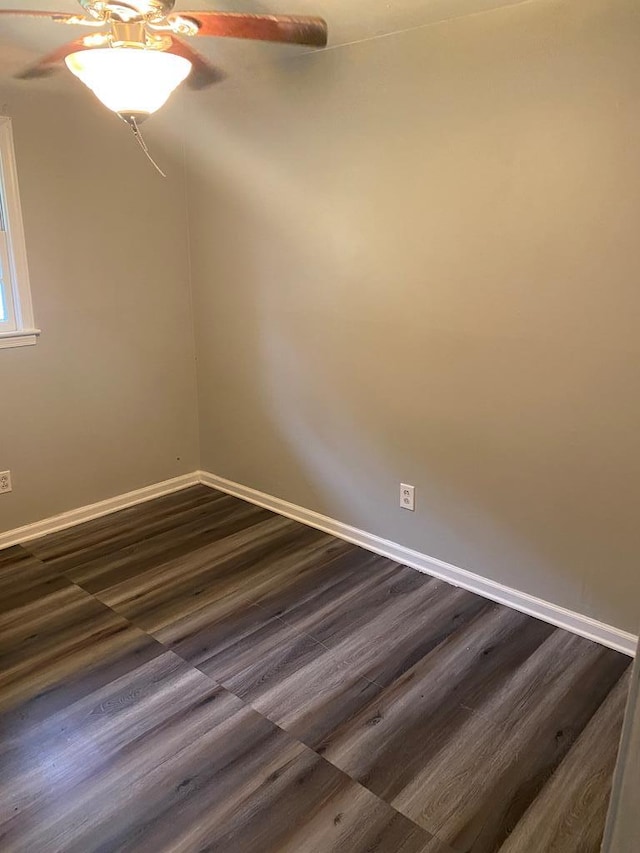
319,464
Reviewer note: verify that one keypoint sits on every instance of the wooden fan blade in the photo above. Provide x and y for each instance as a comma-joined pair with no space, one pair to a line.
281,28
47,64
56,17
202,73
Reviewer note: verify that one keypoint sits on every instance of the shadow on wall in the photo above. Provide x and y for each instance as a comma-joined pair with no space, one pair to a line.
413,260
107,397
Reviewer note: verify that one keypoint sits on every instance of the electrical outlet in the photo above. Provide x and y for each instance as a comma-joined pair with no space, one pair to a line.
5,481
407,496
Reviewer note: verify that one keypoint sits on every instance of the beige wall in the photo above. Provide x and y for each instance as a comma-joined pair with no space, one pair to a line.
105,402
413,258
416,259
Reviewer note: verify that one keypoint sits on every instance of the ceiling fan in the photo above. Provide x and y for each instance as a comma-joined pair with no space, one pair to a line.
136,54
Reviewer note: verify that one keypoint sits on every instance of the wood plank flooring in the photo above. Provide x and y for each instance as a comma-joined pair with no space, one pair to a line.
198,674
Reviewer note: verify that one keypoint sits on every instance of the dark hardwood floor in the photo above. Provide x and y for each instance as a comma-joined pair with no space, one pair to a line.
198,674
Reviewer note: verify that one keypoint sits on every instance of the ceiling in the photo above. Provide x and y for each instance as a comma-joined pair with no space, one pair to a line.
22,41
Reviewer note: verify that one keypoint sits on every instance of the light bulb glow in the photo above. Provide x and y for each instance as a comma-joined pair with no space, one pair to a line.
129,80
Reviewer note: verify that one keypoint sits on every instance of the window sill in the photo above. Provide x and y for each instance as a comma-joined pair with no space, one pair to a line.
21,338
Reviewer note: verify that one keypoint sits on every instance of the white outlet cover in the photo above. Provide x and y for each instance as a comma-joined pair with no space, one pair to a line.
5,481
407,496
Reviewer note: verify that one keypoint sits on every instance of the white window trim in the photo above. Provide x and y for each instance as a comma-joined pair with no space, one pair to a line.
13,248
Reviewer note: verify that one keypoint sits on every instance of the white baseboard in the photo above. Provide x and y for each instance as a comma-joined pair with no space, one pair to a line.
86,513
585,626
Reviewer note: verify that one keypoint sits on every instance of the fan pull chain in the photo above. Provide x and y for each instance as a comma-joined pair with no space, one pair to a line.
133,124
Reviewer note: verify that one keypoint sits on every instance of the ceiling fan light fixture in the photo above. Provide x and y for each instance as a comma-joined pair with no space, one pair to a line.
129,81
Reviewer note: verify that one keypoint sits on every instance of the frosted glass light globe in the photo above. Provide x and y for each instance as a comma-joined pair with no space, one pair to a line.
129,81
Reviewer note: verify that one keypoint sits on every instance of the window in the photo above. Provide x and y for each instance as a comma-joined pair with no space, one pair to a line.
17,327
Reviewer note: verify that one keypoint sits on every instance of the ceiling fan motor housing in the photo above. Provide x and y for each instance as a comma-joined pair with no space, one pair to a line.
128,10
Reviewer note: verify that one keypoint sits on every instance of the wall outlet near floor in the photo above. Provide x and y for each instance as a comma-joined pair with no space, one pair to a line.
407,496
5,481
